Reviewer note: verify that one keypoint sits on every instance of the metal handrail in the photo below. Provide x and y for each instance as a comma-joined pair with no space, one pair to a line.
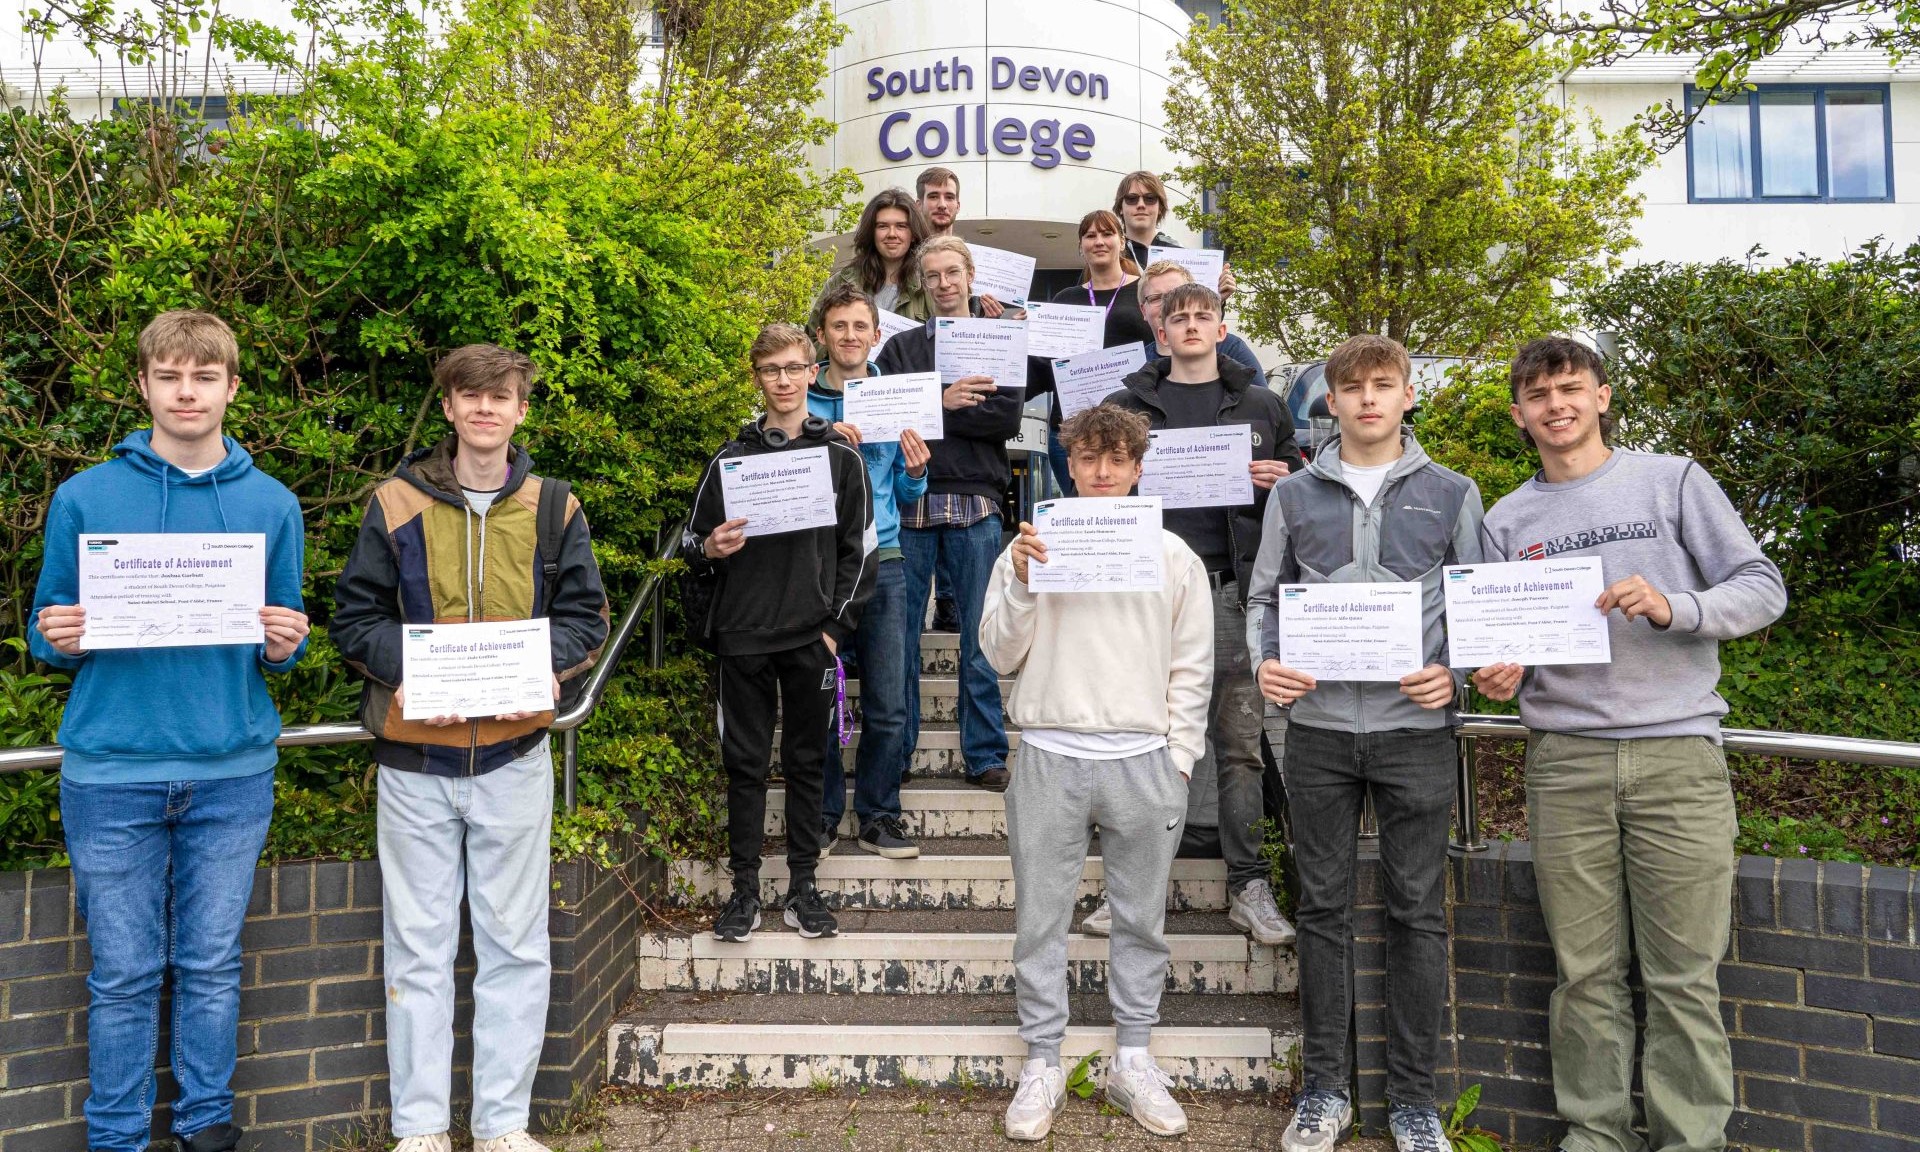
645,604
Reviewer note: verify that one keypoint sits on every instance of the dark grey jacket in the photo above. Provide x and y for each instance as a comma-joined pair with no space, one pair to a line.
1318,532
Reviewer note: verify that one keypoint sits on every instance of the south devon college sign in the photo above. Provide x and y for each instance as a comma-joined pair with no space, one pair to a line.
968,129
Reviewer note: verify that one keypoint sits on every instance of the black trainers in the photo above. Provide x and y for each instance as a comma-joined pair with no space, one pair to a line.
884,837
738,919
217,1138
808,915
946,617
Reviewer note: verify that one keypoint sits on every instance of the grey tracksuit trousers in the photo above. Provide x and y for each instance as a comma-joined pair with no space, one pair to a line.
1140,804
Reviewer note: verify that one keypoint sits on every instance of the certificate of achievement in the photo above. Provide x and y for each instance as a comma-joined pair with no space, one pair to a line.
1098,545
892,324
1350,631
779,491
969,346
1533,612
1084,381
1204,263
172,590
883,406
1199,467
1005,276
486,669
1055,330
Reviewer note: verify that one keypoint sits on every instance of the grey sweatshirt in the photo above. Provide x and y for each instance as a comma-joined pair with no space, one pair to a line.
1317,531
1663,518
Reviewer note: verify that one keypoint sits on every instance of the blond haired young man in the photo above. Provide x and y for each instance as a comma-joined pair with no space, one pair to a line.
166,806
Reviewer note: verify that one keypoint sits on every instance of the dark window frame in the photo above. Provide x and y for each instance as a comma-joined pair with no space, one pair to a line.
1820,157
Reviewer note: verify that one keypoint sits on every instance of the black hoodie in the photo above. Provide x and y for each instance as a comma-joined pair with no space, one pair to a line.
1244,400
781,592
971,456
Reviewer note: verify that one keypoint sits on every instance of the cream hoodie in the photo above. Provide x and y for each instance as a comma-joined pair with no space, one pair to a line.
1108,661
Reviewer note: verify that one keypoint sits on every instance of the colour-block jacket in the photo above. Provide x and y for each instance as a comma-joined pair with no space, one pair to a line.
425,556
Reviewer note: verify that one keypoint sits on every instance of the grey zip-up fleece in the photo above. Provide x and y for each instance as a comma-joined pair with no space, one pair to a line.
1663,518
1318,532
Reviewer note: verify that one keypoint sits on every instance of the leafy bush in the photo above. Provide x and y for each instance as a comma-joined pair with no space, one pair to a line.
416,192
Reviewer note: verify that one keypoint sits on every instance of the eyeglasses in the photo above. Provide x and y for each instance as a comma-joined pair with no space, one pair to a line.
1147,198
1153,298
956,276
768,373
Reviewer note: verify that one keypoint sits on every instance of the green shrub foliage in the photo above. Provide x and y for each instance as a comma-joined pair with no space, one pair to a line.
504,181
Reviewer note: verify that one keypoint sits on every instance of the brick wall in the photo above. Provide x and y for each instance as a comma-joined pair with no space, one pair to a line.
1820,990
312,1064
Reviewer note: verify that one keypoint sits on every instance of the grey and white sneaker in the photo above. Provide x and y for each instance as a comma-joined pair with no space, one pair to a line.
1254,912
1041,1095
1417,1129
1321,1119
1141,1089
886,838
1099,922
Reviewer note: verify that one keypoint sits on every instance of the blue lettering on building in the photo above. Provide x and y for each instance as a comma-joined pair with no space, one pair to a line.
965,131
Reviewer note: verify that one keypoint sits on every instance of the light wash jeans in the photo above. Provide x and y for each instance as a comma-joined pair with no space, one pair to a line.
487,836
162,872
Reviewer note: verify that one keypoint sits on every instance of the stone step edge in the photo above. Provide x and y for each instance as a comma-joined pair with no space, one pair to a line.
854,864
945,946
961,798
939,1040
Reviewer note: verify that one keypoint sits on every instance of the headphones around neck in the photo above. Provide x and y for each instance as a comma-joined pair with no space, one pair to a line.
778,438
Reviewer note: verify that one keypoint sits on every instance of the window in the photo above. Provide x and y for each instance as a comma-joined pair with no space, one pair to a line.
1791,142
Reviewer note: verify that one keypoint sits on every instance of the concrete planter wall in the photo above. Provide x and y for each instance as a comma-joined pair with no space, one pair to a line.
313,1063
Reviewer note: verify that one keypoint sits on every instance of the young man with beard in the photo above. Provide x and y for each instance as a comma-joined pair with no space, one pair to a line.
1628,804
465,803
897,474
166,782
784,606
1371,508
955,527
1111,696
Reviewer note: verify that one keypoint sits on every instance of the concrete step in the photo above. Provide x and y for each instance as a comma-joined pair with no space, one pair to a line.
709,1040
939,653
936,754
939,697
970,874
926,953
940,808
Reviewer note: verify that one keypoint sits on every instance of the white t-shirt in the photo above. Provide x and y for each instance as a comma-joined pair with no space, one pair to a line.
1365,480
194,473
1093,745
480,501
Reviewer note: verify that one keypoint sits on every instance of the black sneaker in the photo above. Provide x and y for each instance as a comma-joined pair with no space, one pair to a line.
738,919
994,779
808,915
884,837
217,1138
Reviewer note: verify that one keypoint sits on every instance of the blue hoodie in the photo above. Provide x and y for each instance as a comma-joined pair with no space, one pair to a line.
165,714
886,466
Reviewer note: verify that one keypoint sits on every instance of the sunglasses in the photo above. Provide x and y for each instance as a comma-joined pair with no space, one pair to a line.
1146,198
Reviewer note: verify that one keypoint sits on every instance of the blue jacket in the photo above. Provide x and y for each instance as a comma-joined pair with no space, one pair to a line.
165,714
886,466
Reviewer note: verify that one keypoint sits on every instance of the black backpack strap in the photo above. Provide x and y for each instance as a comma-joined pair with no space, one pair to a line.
550,524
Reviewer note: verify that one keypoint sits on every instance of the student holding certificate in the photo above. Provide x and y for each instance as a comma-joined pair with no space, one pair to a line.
1371,509
166,787
1111,696
784,605
1628,803
461,533
1197,387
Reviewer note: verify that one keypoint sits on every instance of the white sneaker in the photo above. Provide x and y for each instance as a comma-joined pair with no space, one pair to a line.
431,1142
511,1142
1254,912
1320,1120
1041,1095
1141,1089
1099,922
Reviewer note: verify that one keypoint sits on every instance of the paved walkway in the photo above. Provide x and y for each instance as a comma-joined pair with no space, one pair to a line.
912,1121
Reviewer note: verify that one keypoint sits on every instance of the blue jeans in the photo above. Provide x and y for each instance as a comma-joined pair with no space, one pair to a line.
965,557
163,872
1410,774
880,645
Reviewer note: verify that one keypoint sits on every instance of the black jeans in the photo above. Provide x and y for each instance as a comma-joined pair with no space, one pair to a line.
1410,773
803,679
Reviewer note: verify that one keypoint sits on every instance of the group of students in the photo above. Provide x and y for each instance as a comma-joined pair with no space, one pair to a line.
1132,703
1133,706
167,781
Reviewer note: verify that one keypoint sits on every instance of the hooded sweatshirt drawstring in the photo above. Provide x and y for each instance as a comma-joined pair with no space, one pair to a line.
218,507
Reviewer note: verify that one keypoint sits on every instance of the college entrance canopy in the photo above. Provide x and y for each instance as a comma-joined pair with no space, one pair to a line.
1040,106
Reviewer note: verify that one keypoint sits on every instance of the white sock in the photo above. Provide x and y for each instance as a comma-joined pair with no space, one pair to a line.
1037,1065
1131,1056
